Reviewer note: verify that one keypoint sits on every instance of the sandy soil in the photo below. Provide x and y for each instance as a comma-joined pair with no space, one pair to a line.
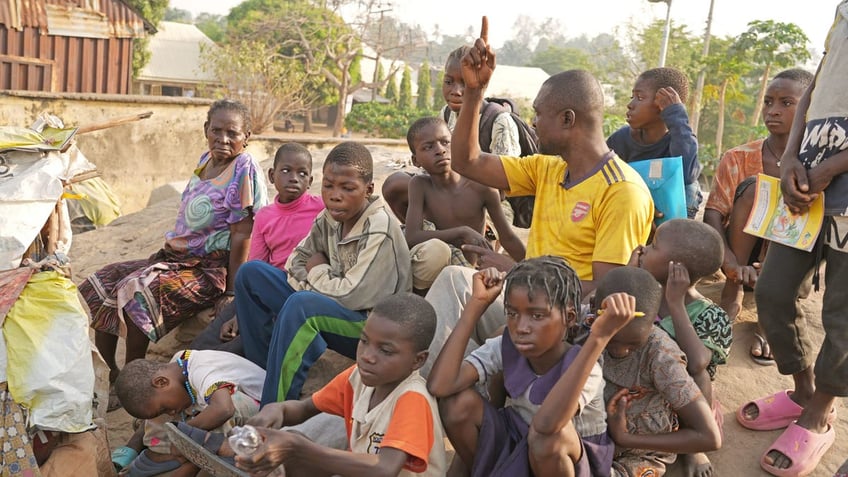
140,234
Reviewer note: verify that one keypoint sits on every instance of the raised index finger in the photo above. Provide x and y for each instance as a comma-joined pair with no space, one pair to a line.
484,29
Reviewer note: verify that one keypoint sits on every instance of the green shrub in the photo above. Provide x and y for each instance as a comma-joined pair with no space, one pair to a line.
383,120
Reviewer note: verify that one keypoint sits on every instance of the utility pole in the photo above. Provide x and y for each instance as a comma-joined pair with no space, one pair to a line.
378,47
666,32
699,86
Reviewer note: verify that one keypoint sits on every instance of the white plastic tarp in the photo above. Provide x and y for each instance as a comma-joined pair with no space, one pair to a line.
30,186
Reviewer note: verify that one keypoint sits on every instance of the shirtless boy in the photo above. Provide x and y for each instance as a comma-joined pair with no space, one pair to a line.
431,196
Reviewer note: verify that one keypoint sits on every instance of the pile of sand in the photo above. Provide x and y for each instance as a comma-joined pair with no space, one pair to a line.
140,234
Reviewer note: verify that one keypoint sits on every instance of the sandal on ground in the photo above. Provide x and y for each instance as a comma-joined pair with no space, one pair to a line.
803,447
144,466
200,447
123,457
774,412
762,360
842,471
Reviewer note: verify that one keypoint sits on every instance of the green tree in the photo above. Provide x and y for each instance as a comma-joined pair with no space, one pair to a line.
554,59
683,48
254,20
255,74
724,69
177,15
153,11
425,94
392,89
356,68
405,95
379,78
326,44
771,45
213,26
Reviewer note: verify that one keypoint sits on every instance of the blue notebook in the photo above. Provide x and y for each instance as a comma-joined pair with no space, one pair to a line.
664,178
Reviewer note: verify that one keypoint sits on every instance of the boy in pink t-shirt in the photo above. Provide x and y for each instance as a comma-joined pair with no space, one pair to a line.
277,229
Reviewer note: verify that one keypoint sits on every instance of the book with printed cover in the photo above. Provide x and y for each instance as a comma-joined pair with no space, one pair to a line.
771,219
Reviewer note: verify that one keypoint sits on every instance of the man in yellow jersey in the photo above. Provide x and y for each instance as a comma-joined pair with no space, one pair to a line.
591,207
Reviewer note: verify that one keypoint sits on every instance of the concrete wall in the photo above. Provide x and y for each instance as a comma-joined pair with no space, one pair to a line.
138,157
134,158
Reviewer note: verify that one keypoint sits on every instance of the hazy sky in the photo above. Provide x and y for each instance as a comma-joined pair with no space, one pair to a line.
730,17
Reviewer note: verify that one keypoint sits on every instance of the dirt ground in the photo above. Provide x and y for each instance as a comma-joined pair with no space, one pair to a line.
140,234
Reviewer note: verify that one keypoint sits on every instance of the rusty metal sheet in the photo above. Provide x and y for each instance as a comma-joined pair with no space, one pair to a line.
120,20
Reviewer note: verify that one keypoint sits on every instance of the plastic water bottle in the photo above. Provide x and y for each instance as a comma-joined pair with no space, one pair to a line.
245,440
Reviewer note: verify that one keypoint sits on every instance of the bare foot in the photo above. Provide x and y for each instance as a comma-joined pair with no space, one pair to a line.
761,351
731,299
696,465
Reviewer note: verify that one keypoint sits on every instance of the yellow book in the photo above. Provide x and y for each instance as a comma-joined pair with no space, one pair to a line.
771,219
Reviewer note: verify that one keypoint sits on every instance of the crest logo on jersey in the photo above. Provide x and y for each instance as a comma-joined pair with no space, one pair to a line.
579,212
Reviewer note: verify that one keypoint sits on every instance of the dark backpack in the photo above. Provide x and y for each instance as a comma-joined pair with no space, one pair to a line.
522,207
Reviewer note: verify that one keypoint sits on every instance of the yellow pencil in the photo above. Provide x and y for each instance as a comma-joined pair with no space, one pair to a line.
637,314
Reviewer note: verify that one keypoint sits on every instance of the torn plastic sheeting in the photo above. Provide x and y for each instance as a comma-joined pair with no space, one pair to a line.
29,192
50,371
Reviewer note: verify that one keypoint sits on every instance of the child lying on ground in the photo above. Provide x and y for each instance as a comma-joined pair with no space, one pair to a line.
553,423
648,386
392,421
209,389
684,251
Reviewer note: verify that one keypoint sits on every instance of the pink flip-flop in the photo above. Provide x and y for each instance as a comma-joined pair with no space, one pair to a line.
803,448
774,412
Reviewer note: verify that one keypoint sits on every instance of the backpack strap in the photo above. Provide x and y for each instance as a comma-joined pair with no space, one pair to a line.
489,111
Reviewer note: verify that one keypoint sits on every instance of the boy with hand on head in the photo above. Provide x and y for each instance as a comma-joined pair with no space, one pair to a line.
815,161
648,386
277,229
392,422
684,251
554,422
211,390
355,255
732,196
658,126
429,141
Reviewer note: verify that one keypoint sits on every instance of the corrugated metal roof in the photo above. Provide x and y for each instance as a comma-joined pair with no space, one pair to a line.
20,13
66,15
175,54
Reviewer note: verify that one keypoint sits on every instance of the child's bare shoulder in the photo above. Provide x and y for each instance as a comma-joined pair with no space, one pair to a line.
421,180
479,189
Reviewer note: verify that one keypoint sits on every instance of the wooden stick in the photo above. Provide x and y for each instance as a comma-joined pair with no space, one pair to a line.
114,122
81,177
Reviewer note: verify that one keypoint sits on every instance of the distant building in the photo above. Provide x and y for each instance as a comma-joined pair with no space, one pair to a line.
517,82
68,46
175,67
